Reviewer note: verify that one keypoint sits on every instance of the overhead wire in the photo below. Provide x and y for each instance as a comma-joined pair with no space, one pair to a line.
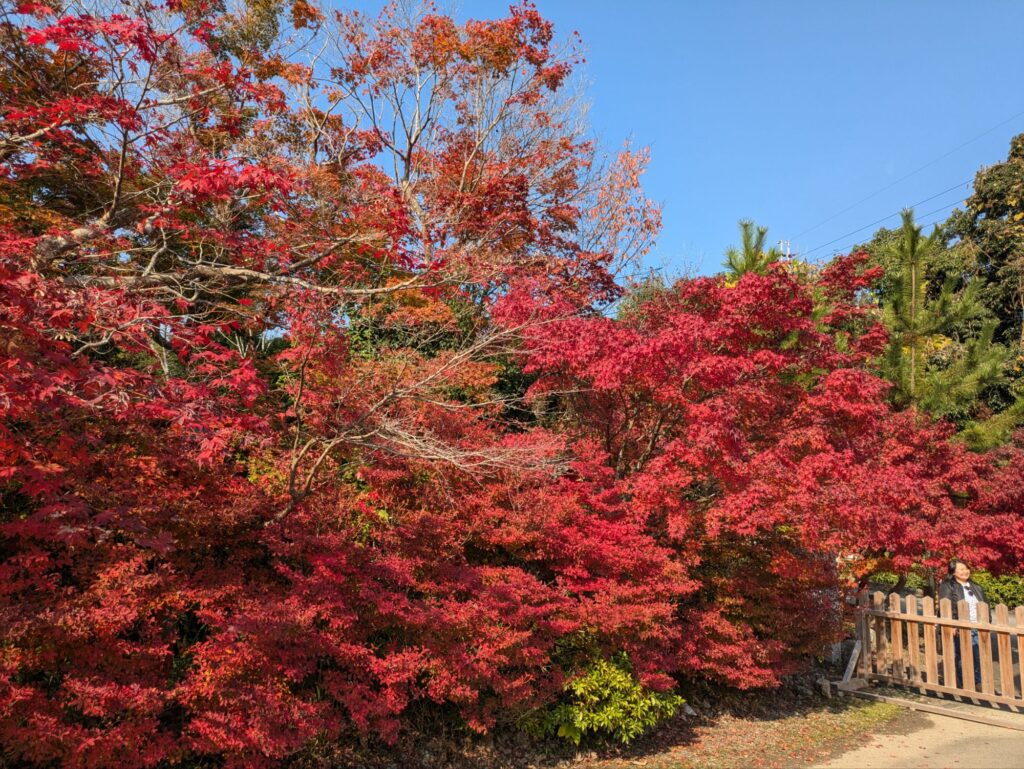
929,164
921,221
897,213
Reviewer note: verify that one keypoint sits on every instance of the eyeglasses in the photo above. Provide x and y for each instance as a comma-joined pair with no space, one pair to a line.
969,592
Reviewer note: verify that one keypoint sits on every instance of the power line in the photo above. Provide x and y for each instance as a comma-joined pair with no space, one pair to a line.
929,164
921,221
890,216
943,212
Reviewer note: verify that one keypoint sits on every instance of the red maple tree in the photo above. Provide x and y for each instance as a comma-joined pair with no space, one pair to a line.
312,414
750,438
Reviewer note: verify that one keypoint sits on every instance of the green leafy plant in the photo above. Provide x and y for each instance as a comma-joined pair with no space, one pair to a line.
606,701
914,580
1007,589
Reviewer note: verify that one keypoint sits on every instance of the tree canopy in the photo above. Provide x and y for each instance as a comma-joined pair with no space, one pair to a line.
992,226
313,413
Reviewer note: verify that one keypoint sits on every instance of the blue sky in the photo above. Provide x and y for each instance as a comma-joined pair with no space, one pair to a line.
790,112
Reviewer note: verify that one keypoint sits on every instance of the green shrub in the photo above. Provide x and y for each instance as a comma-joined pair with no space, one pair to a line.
914,581
606,701
886,578
1008,589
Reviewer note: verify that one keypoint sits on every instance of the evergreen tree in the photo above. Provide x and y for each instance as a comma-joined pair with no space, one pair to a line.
751,256
942,356
993,227
995,429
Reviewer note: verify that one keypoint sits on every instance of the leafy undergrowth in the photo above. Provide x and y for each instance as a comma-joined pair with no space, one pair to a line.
794,726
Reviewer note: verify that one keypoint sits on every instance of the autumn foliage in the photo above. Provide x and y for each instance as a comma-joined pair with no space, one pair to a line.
314,413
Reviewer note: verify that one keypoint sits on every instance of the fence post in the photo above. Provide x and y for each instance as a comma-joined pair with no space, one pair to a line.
1019,614
914,641
931,662
948,657
898,665
864,634
882,657
1006,687
967,661
985,651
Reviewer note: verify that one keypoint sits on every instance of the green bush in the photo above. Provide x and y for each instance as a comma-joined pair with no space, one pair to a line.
1008,589
606,701
915,581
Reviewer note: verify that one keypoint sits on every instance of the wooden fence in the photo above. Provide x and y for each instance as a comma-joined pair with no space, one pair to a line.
904,642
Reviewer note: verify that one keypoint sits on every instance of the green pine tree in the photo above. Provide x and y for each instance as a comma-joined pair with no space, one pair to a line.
996,429
751,256
941,355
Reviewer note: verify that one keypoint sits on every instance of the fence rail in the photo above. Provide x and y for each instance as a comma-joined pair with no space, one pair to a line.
904,642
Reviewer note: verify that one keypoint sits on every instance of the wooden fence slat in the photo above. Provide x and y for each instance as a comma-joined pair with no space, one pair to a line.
898,664
913,642
985,650
948,658
1019,614
1006,687
967,661
931,664
864,634
881,656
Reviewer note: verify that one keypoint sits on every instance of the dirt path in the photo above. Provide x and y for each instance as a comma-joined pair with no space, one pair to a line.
937,742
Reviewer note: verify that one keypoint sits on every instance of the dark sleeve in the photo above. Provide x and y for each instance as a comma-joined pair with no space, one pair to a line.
946,591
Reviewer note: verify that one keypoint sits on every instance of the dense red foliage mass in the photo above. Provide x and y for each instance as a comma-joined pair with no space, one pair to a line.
750,440
310,413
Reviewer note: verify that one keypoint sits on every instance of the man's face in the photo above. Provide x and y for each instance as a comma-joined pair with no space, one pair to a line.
962,573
